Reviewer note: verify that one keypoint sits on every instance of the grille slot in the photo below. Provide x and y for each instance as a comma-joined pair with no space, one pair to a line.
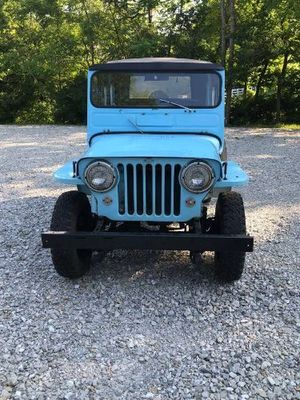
149,189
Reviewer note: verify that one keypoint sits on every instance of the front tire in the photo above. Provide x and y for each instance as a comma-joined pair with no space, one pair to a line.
230,219
72,213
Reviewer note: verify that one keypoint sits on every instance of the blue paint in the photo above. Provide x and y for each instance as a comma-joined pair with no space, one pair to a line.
156,120
235,177
111,211
64,175
170,136
154,145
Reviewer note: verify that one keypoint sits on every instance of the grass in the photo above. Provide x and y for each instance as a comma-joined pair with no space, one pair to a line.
294,127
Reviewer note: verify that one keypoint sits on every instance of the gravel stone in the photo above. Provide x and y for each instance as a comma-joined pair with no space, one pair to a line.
271,380
12,379
148,323
265,365
5,394
261,393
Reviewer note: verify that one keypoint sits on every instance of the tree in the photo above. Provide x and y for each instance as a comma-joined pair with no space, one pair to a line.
46,47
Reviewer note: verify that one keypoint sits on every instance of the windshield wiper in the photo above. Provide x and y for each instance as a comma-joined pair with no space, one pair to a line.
175,104
135,125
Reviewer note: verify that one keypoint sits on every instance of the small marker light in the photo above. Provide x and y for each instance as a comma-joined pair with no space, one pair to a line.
190,202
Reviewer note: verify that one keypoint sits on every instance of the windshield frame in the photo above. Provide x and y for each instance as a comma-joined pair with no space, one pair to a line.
158,106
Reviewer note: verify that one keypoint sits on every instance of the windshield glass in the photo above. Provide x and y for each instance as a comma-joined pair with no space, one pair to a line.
148,89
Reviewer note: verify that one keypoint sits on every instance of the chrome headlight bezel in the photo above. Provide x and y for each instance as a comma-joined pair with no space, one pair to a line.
204,166
106,165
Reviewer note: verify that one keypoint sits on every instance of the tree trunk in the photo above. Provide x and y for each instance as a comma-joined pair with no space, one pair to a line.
90,39
230,60
260,79
149,12
279,86
223,28
245,88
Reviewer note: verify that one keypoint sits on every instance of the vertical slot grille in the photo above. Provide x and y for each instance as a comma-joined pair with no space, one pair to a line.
130,192
158,194
139,189
149,189
121,189
168,194
177,190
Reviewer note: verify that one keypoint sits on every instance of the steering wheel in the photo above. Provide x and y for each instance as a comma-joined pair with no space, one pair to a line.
158,94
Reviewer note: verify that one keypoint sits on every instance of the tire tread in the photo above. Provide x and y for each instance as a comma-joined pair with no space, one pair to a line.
230,219
69,207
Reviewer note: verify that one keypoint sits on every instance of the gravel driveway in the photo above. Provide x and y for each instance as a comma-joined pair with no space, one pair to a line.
146,325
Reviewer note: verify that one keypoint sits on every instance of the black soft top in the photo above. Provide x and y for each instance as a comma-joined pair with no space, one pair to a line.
157,64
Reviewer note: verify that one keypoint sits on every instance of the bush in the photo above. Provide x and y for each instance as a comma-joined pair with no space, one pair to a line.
71,102
263,110
245,111
40,112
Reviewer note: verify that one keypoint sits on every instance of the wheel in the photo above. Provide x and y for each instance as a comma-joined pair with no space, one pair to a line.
72,212
230,219
157,94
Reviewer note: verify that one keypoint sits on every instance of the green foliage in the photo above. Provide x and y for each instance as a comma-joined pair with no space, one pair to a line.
46,47
71,102
263,110
40,112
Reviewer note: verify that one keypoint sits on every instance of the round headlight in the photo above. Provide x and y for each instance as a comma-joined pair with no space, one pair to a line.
100,176
197,177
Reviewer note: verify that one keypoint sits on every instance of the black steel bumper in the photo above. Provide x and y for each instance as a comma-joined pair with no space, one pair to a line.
145,240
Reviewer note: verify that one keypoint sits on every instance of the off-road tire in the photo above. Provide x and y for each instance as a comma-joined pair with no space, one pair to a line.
72,213
230,219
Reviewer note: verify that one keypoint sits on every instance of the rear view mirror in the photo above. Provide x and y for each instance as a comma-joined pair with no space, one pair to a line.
156,77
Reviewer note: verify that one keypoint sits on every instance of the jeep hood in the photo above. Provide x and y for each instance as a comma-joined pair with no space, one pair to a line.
154,145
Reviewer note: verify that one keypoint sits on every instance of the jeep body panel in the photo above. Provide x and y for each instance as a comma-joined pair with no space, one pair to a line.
150,151
169,119
165,137
154,145
236,176
154,159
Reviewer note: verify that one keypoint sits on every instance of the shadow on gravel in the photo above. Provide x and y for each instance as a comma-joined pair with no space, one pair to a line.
173,267
26,218
23,219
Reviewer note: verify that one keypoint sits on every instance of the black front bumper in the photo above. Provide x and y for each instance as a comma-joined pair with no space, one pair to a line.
145,240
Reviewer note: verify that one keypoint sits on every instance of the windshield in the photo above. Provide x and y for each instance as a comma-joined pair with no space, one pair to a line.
148,89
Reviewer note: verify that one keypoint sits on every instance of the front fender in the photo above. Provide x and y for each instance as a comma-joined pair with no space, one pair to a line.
235,176
65,175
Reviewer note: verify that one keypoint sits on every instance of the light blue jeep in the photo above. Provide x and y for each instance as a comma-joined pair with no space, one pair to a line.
155,158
